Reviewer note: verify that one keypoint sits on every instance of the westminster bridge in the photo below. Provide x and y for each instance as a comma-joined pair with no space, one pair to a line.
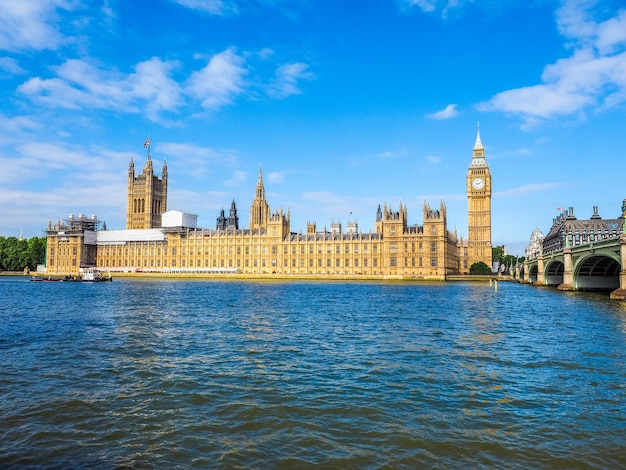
579,255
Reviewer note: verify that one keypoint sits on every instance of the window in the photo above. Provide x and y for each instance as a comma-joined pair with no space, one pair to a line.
433,262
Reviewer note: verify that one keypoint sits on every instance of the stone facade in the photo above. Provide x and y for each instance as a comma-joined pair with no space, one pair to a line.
396,249
479,207
147,197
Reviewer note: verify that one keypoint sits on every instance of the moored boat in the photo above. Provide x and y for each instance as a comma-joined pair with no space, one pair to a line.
94,275
46,279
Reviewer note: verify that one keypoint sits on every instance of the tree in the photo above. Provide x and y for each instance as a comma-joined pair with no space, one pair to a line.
497,254
15,254
480,268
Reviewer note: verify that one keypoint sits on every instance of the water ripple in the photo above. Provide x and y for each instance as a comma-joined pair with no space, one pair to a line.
160,374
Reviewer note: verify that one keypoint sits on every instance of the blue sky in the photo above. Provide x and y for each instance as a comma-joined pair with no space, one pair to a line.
345,104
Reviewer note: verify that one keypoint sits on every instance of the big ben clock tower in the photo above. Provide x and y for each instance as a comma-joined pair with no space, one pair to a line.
479,206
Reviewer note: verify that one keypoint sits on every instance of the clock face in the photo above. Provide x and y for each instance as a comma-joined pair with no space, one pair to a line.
478,183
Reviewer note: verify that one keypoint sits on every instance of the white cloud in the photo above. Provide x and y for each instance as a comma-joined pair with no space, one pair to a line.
237,178
80,84
287,77
393,153
213,7
266,53
433,159
14,126
592,78
152,88
430,6
104,200
217,84
198,160
448,112
30,24
528,189
424,5
10,66
276,177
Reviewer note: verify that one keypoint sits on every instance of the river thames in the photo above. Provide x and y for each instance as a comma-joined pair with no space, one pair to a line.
179,374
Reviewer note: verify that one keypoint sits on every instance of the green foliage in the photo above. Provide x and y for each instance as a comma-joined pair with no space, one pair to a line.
16,254
479,268
497,253
508,262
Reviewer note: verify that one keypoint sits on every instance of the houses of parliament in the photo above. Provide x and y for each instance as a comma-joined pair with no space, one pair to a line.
160,241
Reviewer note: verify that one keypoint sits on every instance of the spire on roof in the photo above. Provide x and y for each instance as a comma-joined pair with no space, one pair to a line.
478,145
260,189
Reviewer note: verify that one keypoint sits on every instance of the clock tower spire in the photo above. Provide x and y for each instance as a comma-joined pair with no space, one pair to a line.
479,206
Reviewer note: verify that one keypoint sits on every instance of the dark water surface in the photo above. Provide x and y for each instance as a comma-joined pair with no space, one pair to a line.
162,374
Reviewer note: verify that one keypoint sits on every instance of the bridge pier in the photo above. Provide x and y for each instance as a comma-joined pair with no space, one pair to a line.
568,273
541,274
620,294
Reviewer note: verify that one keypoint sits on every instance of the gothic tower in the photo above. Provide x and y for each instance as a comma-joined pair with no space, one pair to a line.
147,196
479,206
260,210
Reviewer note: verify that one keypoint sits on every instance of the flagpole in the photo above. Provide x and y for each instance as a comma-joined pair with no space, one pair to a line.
146,144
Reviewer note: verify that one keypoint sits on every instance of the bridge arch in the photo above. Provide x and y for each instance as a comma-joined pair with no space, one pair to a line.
554,273
522,274
533,274
597,272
